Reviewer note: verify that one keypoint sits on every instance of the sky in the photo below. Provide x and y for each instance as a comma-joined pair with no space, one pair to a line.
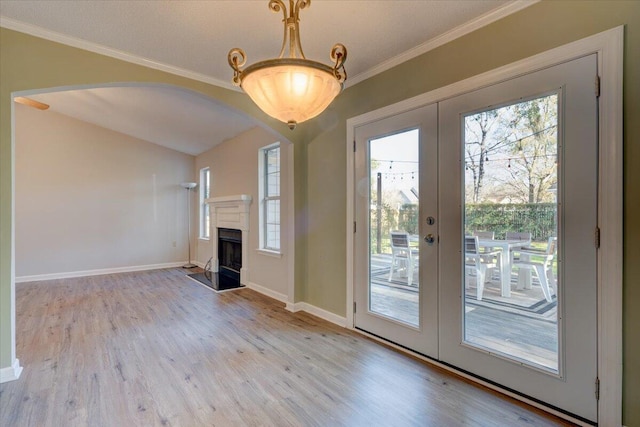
398,159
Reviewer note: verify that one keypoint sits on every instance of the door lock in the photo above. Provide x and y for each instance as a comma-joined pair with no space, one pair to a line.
431,220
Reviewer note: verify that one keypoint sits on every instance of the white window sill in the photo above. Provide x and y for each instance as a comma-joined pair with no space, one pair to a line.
268,252
204,239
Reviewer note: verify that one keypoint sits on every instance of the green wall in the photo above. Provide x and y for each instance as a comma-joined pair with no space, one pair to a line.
538,28
320,154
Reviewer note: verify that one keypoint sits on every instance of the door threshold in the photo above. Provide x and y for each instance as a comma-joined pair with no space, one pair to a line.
479,380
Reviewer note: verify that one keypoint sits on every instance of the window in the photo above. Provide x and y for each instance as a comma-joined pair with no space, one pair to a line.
204,206
270,197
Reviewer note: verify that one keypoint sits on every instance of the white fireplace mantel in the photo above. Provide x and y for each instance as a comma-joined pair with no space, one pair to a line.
231,212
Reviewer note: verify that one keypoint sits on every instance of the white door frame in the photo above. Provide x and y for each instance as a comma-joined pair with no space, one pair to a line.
608,45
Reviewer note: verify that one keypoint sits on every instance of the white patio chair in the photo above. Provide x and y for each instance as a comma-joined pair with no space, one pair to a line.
479,261
542,263
402,255
517,235
489,235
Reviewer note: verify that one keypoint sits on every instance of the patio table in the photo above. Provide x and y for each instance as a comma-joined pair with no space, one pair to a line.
506,247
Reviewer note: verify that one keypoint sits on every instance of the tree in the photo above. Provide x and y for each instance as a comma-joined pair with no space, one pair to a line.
479,144
408,218
511,152
533,154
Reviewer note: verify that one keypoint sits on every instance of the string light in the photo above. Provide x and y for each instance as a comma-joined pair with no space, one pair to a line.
506,159
390,175
415,162
394,175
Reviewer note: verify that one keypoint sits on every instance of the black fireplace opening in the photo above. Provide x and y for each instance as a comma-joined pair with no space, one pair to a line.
229,257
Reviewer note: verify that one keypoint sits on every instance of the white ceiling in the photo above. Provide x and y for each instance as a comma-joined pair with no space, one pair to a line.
165,115
193,38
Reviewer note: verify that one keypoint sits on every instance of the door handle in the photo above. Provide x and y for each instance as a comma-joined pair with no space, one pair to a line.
429,239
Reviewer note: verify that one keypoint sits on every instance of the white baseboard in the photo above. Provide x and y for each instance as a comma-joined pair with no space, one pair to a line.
266,291
318,312
294,307
84,273
11,373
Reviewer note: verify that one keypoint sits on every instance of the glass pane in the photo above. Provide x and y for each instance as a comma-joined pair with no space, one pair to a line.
204,194
393,224
205,221
272,171
510,227
272,224
206,183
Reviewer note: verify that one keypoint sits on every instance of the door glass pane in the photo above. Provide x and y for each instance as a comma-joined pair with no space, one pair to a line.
510,227
393,225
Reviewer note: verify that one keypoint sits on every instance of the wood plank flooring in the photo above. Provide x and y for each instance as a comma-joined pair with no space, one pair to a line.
157,349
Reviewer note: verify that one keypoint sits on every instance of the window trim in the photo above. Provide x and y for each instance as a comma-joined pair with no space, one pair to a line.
263,199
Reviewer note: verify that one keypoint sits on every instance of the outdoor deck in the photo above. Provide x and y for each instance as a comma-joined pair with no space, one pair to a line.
523,325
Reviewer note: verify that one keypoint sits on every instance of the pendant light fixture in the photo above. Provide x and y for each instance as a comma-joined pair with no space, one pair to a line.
291,88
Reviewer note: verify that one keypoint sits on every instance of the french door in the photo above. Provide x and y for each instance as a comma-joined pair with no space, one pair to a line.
496,192
396,172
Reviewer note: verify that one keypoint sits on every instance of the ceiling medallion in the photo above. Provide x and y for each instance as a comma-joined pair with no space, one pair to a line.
291,89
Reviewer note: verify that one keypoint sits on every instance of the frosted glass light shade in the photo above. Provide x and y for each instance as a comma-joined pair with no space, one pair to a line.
291,90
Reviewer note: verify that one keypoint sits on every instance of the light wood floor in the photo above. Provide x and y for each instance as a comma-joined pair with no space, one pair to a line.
155,348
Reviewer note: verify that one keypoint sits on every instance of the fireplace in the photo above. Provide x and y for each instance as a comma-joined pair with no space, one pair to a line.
229,256
230,240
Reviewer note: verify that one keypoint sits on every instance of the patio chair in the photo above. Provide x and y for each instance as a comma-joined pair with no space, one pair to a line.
402,255
479,261
517,235
488,235
542,263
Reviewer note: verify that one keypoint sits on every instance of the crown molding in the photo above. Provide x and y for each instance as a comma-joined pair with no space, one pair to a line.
457,32
438,41
53,36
